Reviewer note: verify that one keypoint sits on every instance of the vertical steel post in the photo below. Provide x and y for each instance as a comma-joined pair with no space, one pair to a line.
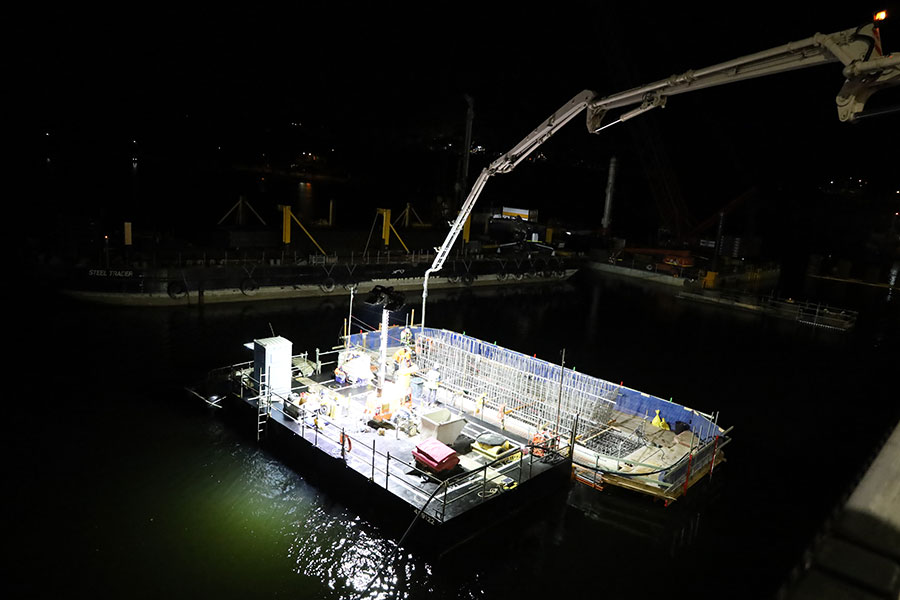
687,477
387,470
610,186
562,377
384,334
572,440
349,318
712,462
521,460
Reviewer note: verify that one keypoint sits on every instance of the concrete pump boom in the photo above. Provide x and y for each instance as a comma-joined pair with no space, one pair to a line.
866,70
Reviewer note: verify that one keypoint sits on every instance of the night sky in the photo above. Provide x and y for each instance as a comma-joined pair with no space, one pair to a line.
377,92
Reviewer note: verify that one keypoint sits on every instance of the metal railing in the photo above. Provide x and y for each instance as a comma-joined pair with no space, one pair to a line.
813,313
508,470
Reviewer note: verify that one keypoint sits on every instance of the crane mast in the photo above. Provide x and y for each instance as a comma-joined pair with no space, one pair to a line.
866,70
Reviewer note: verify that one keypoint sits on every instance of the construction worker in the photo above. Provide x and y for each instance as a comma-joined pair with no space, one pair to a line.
432,380
406,337
403,373
402,358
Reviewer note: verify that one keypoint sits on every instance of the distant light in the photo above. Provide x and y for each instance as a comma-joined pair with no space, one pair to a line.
881,15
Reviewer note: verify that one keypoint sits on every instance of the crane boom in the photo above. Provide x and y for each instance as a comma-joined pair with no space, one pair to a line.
866,70
852,47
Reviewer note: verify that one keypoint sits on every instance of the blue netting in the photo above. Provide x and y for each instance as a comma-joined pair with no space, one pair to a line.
372,340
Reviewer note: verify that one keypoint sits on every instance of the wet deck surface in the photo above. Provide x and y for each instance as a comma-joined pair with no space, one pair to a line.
375,452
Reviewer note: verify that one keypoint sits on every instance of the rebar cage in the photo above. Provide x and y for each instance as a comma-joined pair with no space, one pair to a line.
531,397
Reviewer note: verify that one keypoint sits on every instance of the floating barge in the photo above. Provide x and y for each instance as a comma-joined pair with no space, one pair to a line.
813,314
501,431
209,281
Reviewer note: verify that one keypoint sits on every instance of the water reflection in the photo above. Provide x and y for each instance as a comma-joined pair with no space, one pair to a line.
339,551
892,279
165,501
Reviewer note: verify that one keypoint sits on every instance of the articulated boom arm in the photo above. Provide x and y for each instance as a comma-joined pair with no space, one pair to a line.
859,49
507,163
542,133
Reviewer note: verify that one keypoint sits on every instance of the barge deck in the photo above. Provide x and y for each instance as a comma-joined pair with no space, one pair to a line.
338,426
517,428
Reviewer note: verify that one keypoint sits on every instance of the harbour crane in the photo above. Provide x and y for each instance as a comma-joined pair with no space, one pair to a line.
867,69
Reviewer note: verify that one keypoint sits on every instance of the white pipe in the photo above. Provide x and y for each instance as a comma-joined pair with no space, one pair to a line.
384,334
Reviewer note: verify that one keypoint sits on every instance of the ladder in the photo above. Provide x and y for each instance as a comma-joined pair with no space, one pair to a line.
263,404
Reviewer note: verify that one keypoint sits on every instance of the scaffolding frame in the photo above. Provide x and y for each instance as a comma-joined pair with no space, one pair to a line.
526,395
536,400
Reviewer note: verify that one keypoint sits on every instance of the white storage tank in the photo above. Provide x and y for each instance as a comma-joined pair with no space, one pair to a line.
272,365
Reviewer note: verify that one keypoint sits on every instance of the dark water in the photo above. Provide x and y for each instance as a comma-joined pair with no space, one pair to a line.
123,486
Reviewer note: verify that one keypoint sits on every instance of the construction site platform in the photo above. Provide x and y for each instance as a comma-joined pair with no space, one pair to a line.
336,424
